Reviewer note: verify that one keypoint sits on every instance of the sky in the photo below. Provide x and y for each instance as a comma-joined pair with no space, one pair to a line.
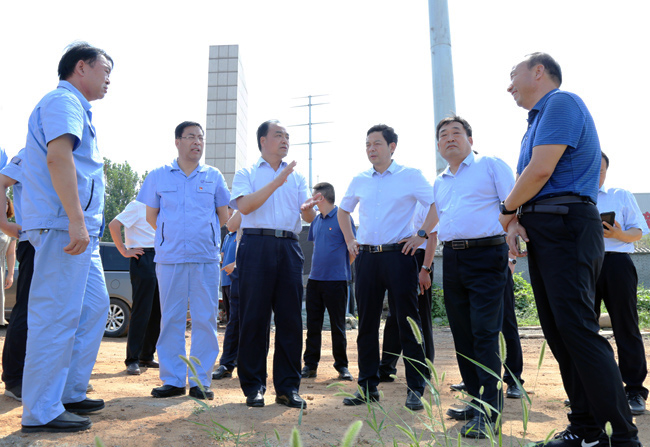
370,57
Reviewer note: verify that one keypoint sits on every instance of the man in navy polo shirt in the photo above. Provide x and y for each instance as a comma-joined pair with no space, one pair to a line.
327,287
556,192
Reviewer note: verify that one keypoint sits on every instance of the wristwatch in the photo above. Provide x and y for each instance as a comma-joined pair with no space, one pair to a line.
504,210
422,233
428,269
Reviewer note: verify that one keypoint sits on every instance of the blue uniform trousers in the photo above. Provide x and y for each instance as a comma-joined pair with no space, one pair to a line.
178,283
565,255
397,273
270,280
67,311
13,352
474,280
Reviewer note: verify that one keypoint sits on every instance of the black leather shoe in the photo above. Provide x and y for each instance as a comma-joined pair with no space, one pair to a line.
307,373
149,364
385,378
478,427
461,414
221,373
133,369
65,422
15,392
514,392
344,374
567,403
372,396
85,406
458,387
255,399
413,401
196,393
637,403
292,400
168,391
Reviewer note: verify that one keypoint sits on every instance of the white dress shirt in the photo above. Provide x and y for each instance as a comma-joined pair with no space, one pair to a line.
628,214
468,201
137,231
387,203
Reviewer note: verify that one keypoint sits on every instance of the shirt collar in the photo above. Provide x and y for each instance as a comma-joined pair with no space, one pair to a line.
602,189
261,161
467,161
200,168
540,104
392,168
84,102
332,213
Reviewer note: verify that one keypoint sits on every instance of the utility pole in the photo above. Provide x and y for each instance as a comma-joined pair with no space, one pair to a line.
310,124
444,102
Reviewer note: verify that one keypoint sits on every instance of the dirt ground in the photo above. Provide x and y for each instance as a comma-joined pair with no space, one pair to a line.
133,418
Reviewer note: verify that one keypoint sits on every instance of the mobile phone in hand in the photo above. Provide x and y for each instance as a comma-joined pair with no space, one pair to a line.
521,245
609,217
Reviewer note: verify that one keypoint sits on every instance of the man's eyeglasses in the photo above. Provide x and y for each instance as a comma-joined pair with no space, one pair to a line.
191,137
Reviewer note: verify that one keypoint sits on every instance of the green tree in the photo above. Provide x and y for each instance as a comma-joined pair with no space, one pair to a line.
122,186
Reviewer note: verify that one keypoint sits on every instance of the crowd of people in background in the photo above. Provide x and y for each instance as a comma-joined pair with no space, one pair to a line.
475,209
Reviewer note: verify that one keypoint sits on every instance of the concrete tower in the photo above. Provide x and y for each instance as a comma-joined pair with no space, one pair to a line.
226,121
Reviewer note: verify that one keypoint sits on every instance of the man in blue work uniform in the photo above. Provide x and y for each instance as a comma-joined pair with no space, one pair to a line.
327,287
63,206
13,352
386,194
557,189
271,198
183,201
617,286
475,263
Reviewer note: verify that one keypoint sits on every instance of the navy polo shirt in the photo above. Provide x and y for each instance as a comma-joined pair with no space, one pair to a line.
562,118
330,261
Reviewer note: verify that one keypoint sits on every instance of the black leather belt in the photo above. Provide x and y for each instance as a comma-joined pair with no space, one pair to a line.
462,244
553,205
149,249
381,248
268,232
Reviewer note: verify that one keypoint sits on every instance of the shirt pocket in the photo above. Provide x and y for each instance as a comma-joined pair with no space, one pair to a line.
205,192
169,199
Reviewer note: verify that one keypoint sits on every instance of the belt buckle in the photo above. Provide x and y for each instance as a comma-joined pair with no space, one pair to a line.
459,245
279,233
374,248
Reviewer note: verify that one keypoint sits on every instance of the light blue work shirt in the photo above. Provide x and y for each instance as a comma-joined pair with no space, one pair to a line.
468,201
387,203
628,214
60,112
3,158
281,211
187,224
14,170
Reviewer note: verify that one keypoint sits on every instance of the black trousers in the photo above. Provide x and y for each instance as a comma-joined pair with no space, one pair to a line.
397,273
474,281
333,296
270,280
565,255
145,313
230,347
510,330
13,352
225,293
616,286
391,347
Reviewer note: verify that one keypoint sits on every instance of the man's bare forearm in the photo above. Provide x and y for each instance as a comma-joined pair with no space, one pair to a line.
251,202
346,225
60,163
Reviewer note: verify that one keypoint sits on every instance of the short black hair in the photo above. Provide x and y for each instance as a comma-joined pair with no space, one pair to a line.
387,132
327,190
181,127
79,51
606,158
454,119
263,130
552,67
